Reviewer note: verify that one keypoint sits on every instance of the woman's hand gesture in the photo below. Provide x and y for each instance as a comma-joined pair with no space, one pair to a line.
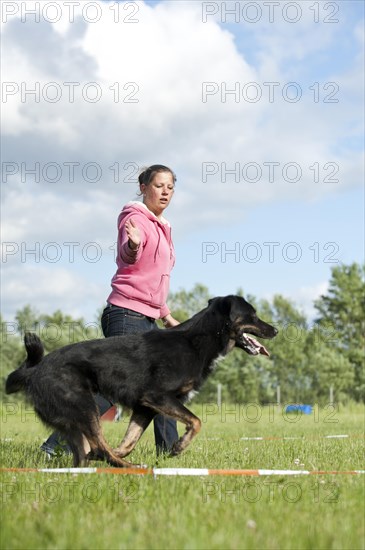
133,233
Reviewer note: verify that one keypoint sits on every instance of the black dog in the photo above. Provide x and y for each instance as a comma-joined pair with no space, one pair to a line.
150,373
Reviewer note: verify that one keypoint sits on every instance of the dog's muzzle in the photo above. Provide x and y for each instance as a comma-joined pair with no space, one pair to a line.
251,346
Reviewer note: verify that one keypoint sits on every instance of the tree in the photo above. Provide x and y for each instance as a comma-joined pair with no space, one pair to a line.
27,320
341,320
328,368
287,349
185,304
58,330
55,331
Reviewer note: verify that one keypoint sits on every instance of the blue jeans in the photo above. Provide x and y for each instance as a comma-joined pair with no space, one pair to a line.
117,321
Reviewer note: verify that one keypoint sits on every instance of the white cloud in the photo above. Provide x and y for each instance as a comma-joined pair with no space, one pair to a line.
168,54
45,216
49,290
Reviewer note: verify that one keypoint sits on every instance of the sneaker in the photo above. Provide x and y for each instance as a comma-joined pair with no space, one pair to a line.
55,446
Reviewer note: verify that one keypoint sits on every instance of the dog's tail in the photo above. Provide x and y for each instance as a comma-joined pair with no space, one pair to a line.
16,381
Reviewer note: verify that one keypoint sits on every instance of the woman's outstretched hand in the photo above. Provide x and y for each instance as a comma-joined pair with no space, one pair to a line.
133,233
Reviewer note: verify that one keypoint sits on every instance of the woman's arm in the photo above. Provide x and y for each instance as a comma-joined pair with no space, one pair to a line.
133,233
131,239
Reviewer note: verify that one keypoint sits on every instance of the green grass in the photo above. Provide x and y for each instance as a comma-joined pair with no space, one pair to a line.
65,511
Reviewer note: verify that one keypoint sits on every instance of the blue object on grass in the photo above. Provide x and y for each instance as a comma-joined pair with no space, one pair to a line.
306,409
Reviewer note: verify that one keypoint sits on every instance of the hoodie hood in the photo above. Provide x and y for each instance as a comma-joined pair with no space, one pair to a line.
136,206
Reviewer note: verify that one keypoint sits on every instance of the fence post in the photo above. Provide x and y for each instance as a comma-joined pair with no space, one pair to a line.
219,395
331,395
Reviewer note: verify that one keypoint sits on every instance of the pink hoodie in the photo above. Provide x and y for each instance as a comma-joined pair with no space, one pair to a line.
142,280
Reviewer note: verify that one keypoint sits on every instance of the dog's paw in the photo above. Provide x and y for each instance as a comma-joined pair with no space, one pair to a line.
120,454
95,455
175,449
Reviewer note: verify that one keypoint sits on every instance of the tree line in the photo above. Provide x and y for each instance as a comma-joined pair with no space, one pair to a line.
306,358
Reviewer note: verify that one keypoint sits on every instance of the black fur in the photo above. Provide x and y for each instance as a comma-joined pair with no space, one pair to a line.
150,373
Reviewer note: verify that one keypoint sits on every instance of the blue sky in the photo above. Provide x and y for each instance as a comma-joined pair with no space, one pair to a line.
161,62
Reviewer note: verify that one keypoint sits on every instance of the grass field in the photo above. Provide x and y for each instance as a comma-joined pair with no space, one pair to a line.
102,511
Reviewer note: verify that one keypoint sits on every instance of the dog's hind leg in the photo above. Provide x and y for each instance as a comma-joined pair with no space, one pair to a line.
75,440
171,406
140,420
101,450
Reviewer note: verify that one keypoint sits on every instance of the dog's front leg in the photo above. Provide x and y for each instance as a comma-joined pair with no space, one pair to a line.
140,420
193,425
171,406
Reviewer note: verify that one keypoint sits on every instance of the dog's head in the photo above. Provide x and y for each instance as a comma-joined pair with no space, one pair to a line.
241,319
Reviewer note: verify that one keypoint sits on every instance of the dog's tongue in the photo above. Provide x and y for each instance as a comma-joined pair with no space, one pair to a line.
257,345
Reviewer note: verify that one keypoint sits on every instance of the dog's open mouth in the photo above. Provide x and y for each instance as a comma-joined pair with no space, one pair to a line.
252,346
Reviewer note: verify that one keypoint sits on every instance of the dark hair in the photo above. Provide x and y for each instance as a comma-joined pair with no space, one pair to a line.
147,175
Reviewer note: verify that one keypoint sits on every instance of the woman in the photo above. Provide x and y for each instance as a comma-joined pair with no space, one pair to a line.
145,258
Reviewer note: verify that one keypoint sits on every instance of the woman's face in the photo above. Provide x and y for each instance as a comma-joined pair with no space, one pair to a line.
158,193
